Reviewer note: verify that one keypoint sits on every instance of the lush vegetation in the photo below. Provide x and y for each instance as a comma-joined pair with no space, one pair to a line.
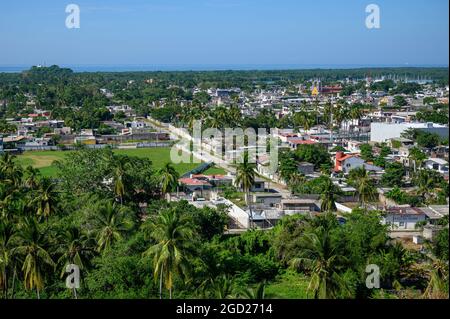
105,213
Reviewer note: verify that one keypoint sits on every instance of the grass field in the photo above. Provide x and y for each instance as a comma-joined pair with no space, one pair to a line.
159,157
289,285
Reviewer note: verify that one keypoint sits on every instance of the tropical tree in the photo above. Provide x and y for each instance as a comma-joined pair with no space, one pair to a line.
7,234
427,181
31,177
45,197
111,223
304,119
222,287
168,178
287,166
437,287
417,156
364,184
119,165
173,233
328,195
76,248
245,178
259,292
318,256
10,172
32,247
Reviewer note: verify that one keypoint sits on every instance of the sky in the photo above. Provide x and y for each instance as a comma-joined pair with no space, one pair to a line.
224,32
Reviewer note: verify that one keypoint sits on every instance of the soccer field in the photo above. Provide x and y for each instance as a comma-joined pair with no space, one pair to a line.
159,156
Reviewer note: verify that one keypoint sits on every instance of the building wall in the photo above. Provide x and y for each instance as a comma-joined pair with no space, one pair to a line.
354,162
403,222
381,132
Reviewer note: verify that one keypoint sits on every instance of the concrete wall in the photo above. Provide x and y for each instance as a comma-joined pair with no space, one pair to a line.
381,132
237,213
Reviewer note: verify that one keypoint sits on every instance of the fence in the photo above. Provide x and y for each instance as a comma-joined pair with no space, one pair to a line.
199,169
96,146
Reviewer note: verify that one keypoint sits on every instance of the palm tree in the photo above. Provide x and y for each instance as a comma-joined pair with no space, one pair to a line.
417,156
6,162
222,287
427,180
76,248
304,119
318,256
287,166
168,178
328,195
32,247
31,177
110,223
10,173
234,116
355,113
173,233
257,293
120,166
365,187
119,184
297,179
45,197
7,234
245,178
437,271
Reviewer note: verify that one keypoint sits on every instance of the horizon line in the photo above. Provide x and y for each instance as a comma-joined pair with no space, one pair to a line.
212,67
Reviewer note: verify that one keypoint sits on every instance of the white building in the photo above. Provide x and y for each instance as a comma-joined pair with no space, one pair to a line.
438,164
382,132
345,163
403,218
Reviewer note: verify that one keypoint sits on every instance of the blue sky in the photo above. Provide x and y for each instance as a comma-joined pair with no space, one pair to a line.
224,32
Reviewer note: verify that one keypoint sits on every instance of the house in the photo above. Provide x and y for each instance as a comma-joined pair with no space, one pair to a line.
36,142
62,131
435,213
258,185
382,132
438,164
285,137
25,129
294,143
85,139
299,205
346,162
196,187
400,142
136,124
267,199
403,217
354,146
215,180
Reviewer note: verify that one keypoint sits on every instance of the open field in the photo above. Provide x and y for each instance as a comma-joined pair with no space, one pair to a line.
159,156
289,285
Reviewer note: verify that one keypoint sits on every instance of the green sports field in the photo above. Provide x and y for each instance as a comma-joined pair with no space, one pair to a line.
159,156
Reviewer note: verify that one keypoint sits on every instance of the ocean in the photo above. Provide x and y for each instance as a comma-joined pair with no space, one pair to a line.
211,67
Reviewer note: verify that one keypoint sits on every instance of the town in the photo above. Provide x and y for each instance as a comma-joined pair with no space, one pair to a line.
364,141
